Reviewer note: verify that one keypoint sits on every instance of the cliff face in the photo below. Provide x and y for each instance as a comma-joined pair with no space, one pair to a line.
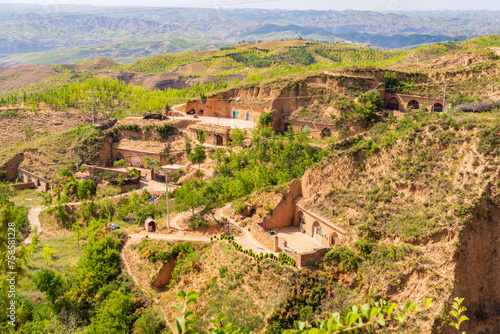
429,191
478,267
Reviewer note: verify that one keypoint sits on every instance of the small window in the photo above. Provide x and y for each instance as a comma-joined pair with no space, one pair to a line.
317,229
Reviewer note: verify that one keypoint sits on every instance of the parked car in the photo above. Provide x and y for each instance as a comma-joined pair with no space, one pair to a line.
113,227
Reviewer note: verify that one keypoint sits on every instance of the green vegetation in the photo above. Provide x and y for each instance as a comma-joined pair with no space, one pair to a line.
59,149
166,130
272,160
135,208
108,94
98,300
367,316
400,179
282,258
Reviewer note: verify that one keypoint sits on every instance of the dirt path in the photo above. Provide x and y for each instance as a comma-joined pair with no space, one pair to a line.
33,217
140,279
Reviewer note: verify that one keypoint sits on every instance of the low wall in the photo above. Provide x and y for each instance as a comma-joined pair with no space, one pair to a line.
266,240
306,259
94,170
29,185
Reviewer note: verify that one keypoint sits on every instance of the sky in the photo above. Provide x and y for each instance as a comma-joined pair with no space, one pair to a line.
376,5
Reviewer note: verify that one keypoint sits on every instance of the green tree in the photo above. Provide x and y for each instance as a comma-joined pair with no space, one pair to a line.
62,213
265,119
198,155
86,189
47,253
89,210
152,163
202,136
190,195
114,316
238,137
50,283
78,231
149,323
120,163
107,209
187,143
28,131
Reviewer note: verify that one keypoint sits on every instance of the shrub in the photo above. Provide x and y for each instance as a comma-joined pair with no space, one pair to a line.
343,256
166,130
129,127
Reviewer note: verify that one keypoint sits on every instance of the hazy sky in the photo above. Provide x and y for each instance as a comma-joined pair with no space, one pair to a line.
378,5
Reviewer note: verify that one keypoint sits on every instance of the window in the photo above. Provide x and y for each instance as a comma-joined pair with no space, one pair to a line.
317,229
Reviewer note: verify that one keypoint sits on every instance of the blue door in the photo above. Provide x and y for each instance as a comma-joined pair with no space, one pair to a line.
248,116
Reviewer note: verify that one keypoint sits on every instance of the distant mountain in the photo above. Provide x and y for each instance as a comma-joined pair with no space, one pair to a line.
33,28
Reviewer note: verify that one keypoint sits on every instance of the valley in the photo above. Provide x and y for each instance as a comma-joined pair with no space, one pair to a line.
309,184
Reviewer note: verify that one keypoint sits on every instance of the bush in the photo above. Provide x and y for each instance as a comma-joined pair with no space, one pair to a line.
343,256
149,323
166,130
129,127
266,119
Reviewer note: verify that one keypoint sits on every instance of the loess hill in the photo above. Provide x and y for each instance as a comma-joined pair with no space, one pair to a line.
419,201
417,193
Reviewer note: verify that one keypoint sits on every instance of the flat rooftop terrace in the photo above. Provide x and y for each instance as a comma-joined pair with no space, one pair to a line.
222,121
296,240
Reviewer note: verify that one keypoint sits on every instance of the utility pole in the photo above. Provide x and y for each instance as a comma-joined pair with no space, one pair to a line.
168,168
171,106
444,97
92,101
166,183
229,219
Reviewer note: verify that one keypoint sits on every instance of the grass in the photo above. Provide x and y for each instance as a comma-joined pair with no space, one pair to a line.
60,149
66,255
27,197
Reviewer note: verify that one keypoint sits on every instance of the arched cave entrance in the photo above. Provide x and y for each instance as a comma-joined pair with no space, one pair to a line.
287,127
317,229
302,222
438,107
218,140
201,112
38,183
150,225
333,238
413,104
393,104
191,112
326,133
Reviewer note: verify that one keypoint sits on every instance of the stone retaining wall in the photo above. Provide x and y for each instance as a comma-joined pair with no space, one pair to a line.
268,241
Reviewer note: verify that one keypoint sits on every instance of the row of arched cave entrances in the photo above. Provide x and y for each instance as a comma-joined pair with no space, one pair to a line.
36,181
326,132
317,230
219,141
393,104
193,112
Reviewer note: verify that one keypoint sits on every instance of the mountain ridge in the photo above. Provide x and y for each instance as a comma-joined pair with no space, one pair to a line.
32,28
